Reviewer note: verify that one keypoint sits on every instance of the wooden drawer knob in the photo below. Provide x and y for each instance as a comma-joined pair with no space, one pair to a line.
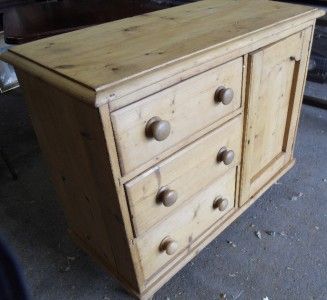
157,129
167,197
226,156
224,95
220,203
169,245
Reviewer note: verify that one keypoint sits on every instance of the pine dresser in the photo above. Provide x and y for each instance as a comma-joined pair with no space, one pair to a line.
161,129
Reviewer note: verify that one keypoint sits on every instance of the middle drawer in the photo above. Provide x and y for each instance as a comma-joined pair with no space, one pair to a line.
149,127
155,194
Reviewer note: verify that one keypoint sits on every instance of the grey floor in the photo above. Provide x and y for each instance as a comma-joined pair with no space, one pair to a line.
292,264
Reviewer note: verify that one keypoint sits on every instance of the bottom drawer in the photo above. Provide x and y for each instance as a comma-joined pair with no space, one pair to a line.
164,241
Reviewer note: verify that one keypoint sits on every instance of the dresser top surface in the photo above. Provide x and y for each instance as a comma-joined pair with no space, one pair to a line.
105,55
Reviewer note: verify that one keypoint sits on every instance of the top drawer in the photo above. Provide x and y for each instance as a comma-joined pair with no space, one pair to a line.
183,110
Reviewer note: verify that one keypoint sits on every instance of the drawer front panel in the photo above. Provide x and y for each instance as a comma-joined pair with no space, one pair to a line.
184,173
185,109
186,224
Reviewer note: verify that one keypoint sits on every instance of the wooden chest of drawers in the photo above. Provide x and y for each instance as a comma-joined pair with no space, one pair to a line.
161,129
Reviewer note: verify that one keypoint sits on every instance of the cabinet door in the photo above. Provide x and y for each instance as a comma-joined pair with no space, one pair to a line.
276,76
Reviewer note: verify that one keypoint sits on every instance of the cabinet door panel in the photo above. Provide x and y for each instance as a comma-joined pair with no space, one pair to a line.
270,115
274,91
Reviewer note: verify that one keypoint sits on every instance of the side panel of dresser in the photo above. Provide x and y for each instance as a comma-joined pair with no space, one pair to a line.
276,78
74,139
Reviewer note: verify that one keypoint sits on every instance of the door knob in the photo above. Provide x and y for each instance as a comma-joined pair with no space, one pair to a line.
220,203
157,129
226,156
167,197
224,95
169,245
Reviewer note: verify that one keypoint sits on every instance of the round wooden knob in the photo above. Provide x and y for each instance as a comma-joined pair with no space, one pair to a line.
157,129
169,245
167,197
226,156
220,203
224,95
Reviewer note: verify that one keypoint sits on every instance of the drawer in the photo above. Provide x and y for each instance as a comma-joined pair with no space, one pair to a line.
158,192
164,242
147,128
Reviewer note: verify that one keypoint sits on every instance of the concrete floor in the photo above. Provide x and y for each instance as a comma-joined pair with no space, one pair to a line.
290,265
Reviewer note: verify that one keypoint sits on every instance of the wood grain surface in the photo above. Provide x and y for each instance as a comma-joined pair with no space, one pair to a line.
103,55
